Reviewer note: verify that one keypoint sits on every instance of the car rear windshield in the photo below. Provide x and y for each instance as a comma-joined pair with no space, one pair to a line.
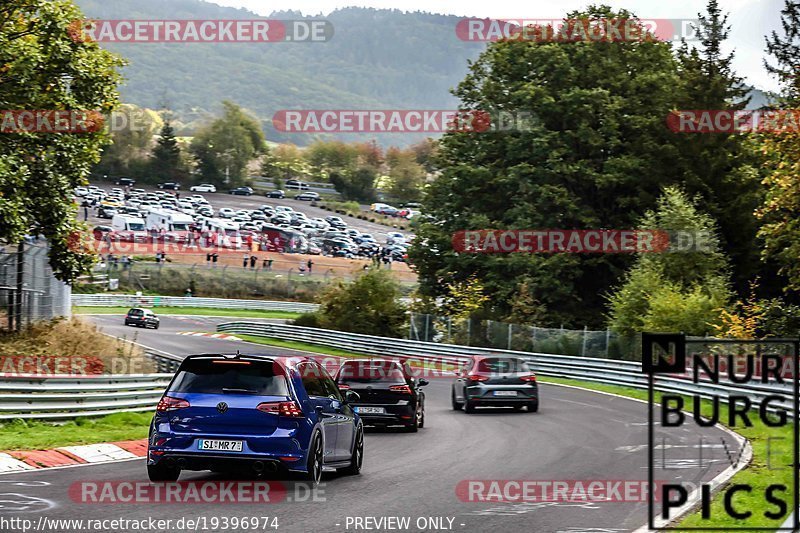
135,312
371,372
501,365
215,376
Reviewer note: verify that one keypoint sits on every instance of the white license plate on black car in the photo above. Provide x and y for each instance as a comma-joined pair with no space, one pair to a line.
505,393
370,410
220,445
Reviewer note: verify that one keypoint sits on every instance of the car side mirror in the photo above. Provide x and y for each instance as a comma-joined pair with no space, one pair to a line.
351,396
422,382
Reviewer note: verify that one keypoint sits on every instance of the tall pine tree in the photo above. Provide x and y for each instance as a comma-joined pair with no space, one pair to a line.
786,51
719,167
166,158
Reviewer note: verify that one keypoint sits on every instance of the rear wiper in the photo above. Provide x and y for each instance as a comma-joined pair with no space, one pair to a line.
240,391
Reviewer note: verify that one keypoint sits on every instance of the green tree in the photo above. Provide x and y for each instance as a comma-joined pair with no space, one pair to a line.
355,184
45,66
166,161
780,212
369,305
674,291
720,168
785,49
407,177
131,143
595,157
224,148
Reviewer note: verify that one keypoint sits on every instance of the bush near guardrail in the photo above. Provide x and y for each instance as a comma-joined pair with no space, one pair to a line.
131,300
607,371
58,398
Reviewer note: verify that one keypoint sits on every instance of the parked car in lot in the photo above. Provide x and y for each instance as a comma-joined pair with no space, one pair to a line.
170,186
226,212
106,211
308,196
254,413
242,191
275,194
125,182
203,187
495,381
389,395
143,318
296,184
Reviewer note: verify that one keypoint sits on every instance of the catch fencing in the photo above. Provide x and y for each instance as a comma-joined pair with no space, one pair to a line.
29,292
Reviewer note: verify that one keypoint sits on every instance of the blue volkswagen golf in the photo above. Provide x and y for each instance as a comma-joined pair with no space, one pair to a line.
257,413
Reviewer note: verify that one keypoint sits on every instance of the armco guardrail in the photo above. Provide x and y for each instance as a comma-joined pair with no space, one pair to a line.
58,398
609,371
131,300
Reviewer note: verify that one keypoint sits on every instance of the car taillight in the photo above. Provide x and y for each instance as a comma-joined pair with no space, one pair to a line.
405,389
287,409
532,377
168,403
477,377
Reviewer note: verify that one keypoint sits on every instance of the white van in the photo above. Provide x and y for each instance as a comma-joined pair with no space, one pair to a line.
129,228
175,224
227,232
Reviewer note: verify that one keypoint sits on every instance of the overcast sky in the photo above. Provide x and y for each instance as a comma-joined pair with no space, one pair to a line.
750,19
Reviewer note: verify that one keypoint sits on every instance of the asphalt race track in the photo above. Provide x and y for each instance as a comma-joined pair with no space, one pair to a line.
576,435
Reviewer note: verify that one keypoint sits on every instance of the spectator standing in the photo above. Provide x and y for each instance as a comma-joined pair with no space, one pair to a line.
245,260
310,264
253,261
214,259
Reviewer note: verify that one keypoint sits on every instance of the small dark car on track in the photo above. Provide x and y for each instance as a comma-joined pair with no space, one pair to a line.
495,381
254,413
143,318
389,393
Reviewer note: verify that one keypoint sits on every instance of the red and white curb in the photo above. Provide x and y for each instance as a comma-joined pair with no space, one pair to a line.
18,461
223,336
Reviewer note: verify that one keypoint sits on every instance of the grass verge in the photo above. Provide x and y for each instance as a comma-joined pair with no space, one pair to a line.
35,435
201,311
772,462
302,346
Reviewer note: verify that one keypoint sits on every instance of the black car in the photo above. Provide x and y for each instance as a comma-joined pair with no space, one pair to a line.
125,182
309,196
106,211
242,191
389,395
275,194
296,184
495,381
170,186
143,318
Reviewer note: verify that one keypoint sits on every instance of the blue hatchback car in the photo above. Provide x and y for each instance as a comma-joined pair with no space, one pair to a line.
257,413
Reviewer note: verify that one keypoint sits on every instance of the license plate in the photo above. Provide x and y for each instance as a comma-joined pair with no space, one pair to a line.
370,410
505,393
221,445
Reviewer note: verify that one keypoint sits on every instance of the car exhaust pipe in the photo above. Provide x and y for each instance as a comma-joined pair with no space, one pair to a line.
272,467
181,463
258,466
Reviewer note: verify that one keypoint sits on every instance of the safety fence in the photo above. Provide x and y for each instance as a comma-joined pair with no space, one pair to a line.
446,356
55,398
37,397
132,300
